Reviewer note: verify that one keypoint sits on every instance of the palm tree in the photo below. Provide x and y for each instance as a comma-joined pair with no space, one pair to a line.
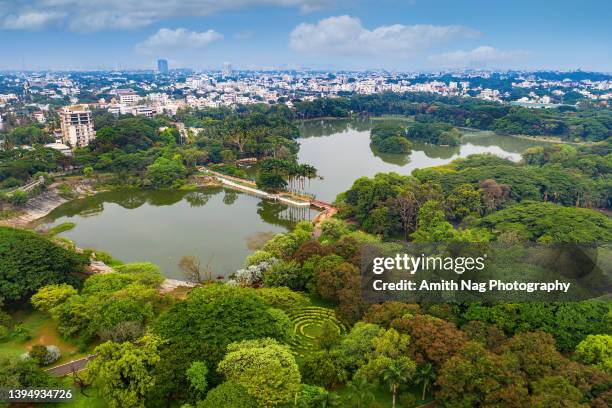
425,375
397,372
327,400
361,391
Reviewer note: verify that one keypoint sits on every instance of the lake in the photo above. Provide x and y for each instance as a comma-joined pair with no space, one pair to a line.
341,152
216,225
221,226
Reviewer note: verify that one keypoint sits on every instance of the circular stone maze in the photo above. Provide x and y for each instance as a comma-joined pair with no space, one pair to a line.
308,326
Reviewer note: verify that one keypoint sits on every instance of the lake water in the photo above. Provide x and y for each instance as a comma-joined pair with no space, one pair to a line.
213,224
222,226
341,152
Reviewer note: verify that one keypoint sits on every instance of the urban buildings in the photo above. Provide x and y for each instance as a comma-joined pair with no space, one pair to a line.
162,66
77,125
227,69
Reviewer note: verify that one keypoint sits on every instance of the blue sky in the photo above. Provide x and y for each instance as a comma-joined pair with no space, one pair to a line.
328,34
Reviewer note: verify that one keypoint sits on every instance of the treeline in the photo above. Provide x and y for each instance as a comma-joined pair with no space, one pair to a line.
593,124
532,201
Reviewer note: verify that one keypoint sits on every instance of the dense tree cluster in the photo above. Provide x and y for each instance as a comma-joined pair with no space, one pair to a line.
29,261
481,186
110,306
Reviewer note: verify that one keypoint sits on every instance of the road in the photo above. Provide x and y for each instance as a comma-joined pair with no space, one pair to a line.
70,367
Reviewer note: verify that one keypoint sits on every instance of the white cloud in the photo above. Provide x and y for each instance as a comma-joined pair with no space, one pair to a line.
95,15
346,35
173,41
33,20
478,57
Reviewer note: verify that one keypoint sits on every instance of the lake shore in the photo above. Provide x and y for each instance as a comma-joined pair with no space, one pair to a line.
47,201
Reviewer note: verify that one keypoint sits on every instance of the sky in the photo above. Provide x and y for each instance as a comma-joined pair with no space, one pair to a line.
401,35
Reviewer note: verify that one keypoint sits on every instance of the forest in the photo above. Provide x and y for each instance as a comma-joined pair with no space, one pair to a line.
291,327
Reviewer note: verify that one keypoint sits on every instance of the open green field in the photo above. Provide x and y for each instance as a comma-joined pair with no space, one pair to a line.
42,330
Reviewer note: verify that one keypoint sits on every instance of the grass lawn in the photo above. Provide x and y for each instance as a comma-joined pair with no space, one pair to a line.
384,398
43,331
79,400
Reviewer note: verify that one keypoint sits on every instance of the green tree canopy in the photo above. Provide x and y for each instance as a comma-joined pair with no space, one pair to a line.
29,262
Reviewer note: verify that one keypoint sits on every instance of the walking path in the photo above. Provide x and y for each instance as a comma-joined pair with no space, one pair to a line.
70,367
249,187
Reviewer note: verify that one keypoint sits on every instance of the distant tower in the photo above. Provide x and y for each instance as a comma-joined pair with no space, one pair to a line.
162,66
227,69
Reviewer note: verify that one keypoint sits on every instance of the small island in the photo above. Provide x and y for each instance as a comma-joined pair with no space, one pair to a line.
390,138
441,134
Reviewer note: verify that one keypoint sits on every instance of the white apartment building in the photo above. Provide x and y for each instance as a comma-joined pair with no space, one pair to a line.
77,126
129,98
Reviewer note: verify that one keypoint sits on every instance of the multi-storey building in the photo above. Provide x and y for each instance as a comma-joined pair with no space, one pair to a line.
162,66
77,126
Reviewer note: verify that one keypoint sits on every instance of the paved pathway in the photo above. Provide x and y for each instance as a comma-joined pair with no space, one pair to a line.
71,366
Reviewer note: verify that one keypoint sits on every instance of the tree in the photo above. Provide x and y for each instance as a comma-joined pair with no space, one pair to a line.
329,336
29,262
216,315
332,275
407,207
431,339
426,376
396,372
325,368
390,138
596,350
535,353
17,373
357,345
228,395
18,198
389,360
384,313
475,377
360,391
432,224
556,391
552,222
194,271
270,182
265,368
197,374
165,172
123,371
50,296
463,201
493,195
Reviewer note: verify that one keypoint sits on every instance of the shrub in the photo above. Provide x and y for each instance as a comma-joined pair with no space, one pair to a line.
18,198
252,275
283,298
285,273
44,355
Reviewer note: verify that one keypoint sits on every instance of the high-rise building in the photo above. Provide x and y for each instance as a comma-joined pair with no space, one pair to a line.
162,66
227,69
77,126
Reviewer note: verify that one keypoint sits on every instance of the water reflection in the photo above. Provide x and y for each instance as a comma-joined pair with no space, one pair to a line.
162,226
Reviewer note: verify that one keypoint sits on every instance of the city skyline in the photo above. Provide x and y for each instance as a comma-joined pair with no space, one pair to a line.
318,34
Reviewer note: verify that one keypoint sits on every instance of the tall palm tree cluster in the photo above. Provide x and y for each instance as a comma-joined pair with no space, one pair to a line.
294,173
